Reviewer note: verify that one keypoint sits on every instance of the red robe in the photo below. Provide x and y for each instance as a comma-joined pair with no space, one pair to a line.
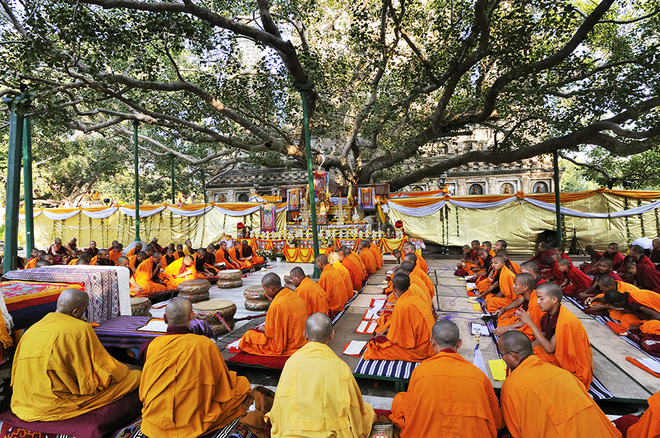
647,276
579,281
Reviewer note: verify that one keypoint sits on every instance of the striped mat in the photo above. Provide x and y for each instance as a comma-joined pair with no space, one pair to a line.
386,368
225,432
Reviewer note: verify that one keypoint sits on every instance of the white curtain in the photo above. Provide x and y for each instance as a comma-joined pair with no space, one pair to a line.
189,213
417,211
146,213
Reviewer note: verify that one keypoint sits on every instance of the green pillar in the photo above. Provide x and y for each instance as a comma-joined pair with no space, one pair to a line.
17,107
137,180
27,185
172,178
560,230
304,90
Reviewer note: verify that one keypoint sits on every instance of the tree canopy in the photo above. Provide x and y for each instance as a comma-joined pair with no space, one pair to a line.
394,81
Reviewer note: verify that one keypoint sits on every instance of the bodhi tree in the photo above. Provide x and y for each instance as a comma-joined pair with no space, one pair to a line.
394,81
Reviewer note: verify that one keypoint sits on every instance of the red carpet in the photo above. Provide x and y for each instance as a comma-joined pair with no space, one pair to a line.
275,362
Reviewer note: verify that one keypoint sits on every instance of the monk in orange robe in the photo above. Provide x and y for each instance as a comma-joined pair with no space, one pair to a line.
173,407
353,269
367,257
561,338
115,253
136,249
148,276
524,285
417,287
282,334
377,254
649,424
415,280
316,300
357,261
541,400
334,259
32,263
419,272
246,255
135,288
333,284
181,270
167,258
505,295
447,383
103,259
409,248
222,255
408,336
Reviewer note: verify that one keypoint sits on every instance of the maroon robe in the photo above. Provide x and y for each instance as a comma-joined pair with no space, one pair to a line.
579,281
647,276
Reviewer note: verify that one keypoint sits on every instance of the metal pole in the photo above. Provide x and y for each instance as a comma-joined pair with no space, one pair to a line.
137,180
560,230
17,108
304,90
206,199
172,177
27,185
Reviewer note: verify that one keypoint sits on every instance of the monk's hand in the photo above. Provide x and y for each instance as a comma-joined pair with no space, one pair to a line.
261,327
498,313
600,306
589,300
523,316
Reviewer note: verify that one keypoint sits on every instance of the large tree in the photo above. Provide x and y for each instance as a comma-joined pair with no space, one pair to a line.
394,81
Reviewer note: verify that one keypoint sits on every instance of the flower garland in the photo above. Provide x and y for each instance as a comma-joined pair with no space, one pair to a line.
625,207
641,218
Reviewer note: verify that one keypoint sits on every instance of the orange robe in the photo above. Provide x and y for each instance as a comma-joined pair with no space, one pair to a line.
409,333
72,261
506,279
131,252
369,261
93,261
417,281
187,389
573,350
316,300
173,269
355,258
283,330
356,275
447,396
334,286
32,263
377,255
649,424
220,258
143,275
539,399
419,272
114,256
515,266
642,297
421,262
346,275
535,312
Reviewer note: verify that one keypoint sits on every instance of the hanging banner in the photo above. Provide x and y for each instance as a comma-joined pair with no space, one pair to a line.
367,197
293,199
268,218
320,181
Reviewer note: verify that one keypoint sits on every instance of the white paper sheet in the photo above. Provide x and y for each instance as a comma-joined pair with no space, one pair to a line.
373,312
471,286
154,325
651,364
354,348
372,328
234,345
362,327
481,329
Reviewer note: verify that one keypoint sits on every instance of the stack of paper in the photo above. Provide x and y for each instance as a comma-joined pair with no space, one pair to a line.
367,328
354,348
154,325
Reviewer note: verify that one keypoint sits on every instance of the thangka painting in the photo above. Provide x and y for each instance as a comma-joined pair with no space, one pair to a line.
320,181
293,199
367,197
268,218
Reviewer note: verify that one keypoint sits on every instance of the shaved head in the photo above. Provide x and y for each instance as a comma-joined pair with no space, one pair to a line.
514,341
318,327
407,266
73,302
446,334
346,250
177,312
401,282
606,282
530,267
551,290
321,261
607,263
613,296
637,250
297,272
333,257
526,279
411,257
271,280
564,262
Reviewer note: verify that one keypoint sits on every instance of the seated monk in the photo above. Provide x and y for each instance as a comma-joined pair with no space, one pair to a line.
222,255
31,264
417,287
354,260
245,255
72,246
541,400
408,336
513,266
409,248
188,249
595,257
334,259
168,257
316,300
367,257
603,269
634,308
524,285
60,368
58,251
181,270
575,281
204,270
378,255
561,338
179,254
416,283
136,249
282,332
186,387
612,253
92,250
83,261
112,245
333,283
135,260
483,267
649,424
115,253
317,394
554,274
154,244
42,263
148,276
210,258
447,383
135,288
648,277
419,272
103,259
503,295
542,257
354,270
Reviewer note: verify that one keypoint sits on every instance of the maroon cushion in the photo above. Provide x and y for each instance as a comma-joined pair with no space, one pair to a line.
96,424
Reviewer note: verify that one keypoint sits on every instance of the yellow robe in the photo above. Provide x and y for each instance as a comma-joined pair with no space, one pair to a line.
187,389
317,396
61,371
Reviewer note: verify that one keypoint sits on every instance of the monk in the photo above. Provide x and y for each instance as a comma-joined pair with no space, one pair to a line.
513,266
648,425
446,383
419,272
135,260
334,259
316,300
222,255
654,256
168,258
483,267
103,259
613,254
204,270
408,336
648,277
378,255
334,285
417,282
154,244
135,288
115,253
245,255
186,387
554,274
604,269
353,269
282,332
524,285
92,250
60,368
188,249
181,270
594,255
136,249
357,261
317,395
542,256
575,281
561,338
504,295
148,276
408,248
417,288
179,254
367,257
31,264
58,251
541,400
